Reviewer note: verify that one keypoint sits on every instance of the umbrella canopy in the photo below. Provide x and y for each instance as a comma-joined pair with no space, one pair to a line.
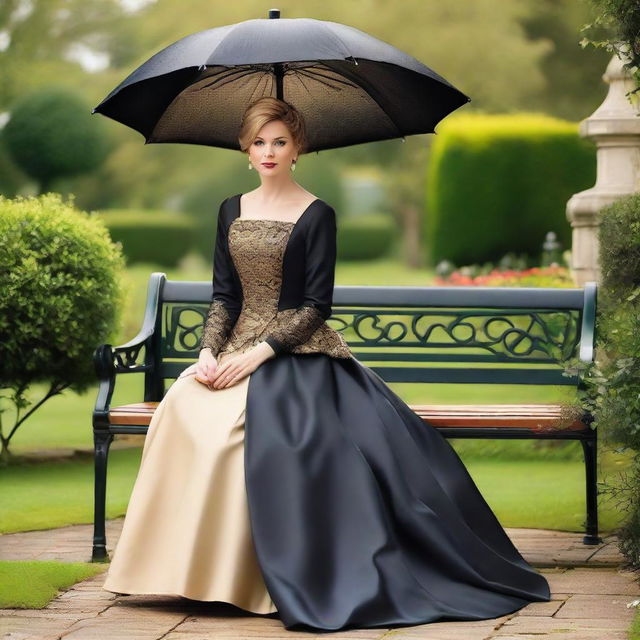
350,87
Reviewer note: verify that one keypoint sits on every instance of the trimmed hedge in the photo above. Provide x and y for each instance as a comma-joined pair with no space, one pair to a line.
164,238
498,183
159,237
365,237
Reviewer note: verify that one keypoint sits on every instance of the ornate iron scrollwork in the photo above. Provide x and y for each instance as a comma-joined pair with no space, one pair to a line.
502,334
127,359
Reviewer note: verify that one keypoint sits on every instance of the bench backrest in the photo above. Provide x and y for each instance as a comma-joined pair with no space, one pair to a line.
415,334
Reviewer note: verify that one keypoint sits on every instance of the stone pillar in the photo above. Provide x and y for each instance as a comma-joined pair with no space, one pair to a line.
615,128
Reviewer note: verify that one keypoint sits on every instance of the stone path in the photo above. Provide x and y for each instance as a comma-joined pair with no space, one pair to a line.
590,594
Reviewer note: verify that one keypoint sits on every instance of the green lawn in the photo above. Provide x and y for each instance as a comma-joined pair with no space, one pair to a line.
634,630
57,493
31,585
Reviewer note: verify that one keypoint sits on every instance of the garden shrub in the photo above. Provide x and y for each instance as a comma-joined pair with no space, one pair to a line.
158,237
365,237
60,297
51,135
619,322
499,183
613,382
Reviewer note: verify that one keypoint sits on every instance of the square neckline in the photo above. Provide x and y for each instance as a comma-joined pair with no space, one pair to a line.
239,212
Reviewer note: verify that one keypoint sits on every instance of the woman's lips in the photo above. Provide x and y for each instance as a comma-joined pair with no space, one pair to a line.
269,164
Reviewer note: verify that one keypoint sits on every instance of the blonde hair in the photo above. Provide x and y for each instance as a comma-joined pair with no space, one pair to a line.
265,110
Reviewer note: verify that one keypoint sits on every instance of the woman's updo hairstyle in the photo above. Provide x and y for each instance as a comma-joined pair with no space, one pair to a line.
265,110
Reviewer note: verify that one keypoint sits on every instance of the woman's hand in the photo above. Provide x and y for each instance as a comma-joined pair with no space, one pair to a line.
205,367
234,368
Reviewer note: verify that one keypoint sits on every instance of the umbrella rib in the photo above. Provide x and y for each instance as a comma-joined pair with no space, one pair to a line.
372,94
314,72
222,78
225,78
333,34
265,78
303,84
317,67
315,75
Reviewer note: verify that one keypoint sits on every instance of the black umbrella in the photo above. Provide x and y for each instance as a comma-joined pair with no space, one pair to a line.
349,86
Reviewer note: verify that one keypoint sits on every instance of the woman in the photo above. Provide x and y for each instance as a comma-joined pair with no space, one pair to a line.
280,474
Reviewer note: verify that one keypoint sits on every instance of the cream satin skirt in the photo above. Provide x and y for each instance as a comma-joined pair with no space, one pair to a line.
187,529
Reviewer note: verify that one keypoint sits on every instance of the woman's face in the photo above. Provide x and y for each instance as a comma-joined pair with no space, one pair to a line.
273,145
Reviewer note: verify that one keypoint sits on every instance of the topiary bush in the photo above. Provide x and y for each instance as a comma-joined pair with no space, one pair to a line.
499,183
52,135
365,237
60,297
159,237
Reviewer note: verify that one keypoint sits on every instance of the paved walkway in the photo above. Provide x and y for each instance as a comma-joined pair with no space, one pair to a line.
590,594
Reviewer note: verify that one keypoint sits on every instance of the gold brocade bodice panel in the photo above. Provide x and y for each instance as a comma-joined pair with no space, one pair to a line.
257,249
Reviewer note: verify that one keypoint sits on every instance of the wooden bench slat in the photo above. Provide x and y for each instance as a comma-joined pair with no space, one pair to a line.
538,417
138,413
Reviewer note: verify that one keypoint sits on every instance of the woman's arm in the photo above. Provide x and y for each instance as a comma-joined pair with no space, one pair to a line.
226,303
320,264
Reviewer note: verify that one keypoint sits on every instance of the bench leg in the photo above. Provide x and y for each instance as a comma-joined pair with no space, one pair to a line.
589,448
101,440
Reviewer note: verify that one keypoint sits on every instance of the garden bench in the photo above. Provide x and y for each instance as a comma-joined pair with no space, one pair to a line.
473,335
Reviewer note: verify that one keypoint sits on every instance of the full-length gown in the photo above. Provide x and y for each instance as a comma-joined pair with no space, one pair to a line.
310,488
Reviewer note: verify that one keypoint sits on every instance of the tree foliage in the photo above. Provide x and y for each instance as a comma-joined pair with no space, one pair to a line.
616,28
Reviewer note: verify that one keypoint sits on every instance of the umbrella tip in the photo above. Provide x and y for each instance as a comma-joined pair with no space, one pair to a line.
274,13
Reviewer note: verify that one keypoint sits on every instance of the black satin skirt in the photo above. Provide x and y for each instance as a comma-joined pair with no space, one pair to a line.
361,514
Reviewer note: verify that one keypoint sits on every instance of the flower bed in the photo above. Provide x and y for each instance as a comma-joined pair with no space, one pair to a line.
553,276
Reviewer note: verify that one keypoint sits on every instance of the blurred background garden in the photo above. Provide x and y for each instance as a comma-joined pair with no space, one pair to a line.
483,201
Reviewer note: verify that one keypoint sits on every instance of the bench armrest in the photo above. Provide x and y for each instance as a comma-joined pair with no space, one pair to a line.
588,330
110,361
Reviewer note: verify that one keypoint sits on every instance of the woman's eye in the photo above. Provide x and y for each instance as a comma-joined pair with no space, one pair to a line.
282,142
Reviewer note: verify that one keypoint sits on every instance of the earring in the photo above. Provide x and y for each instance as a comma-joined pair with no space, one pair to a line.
293,165
250,166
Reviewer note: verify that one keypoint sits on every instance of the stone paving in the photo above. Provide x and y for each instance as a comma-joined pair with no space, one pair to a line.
590,593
